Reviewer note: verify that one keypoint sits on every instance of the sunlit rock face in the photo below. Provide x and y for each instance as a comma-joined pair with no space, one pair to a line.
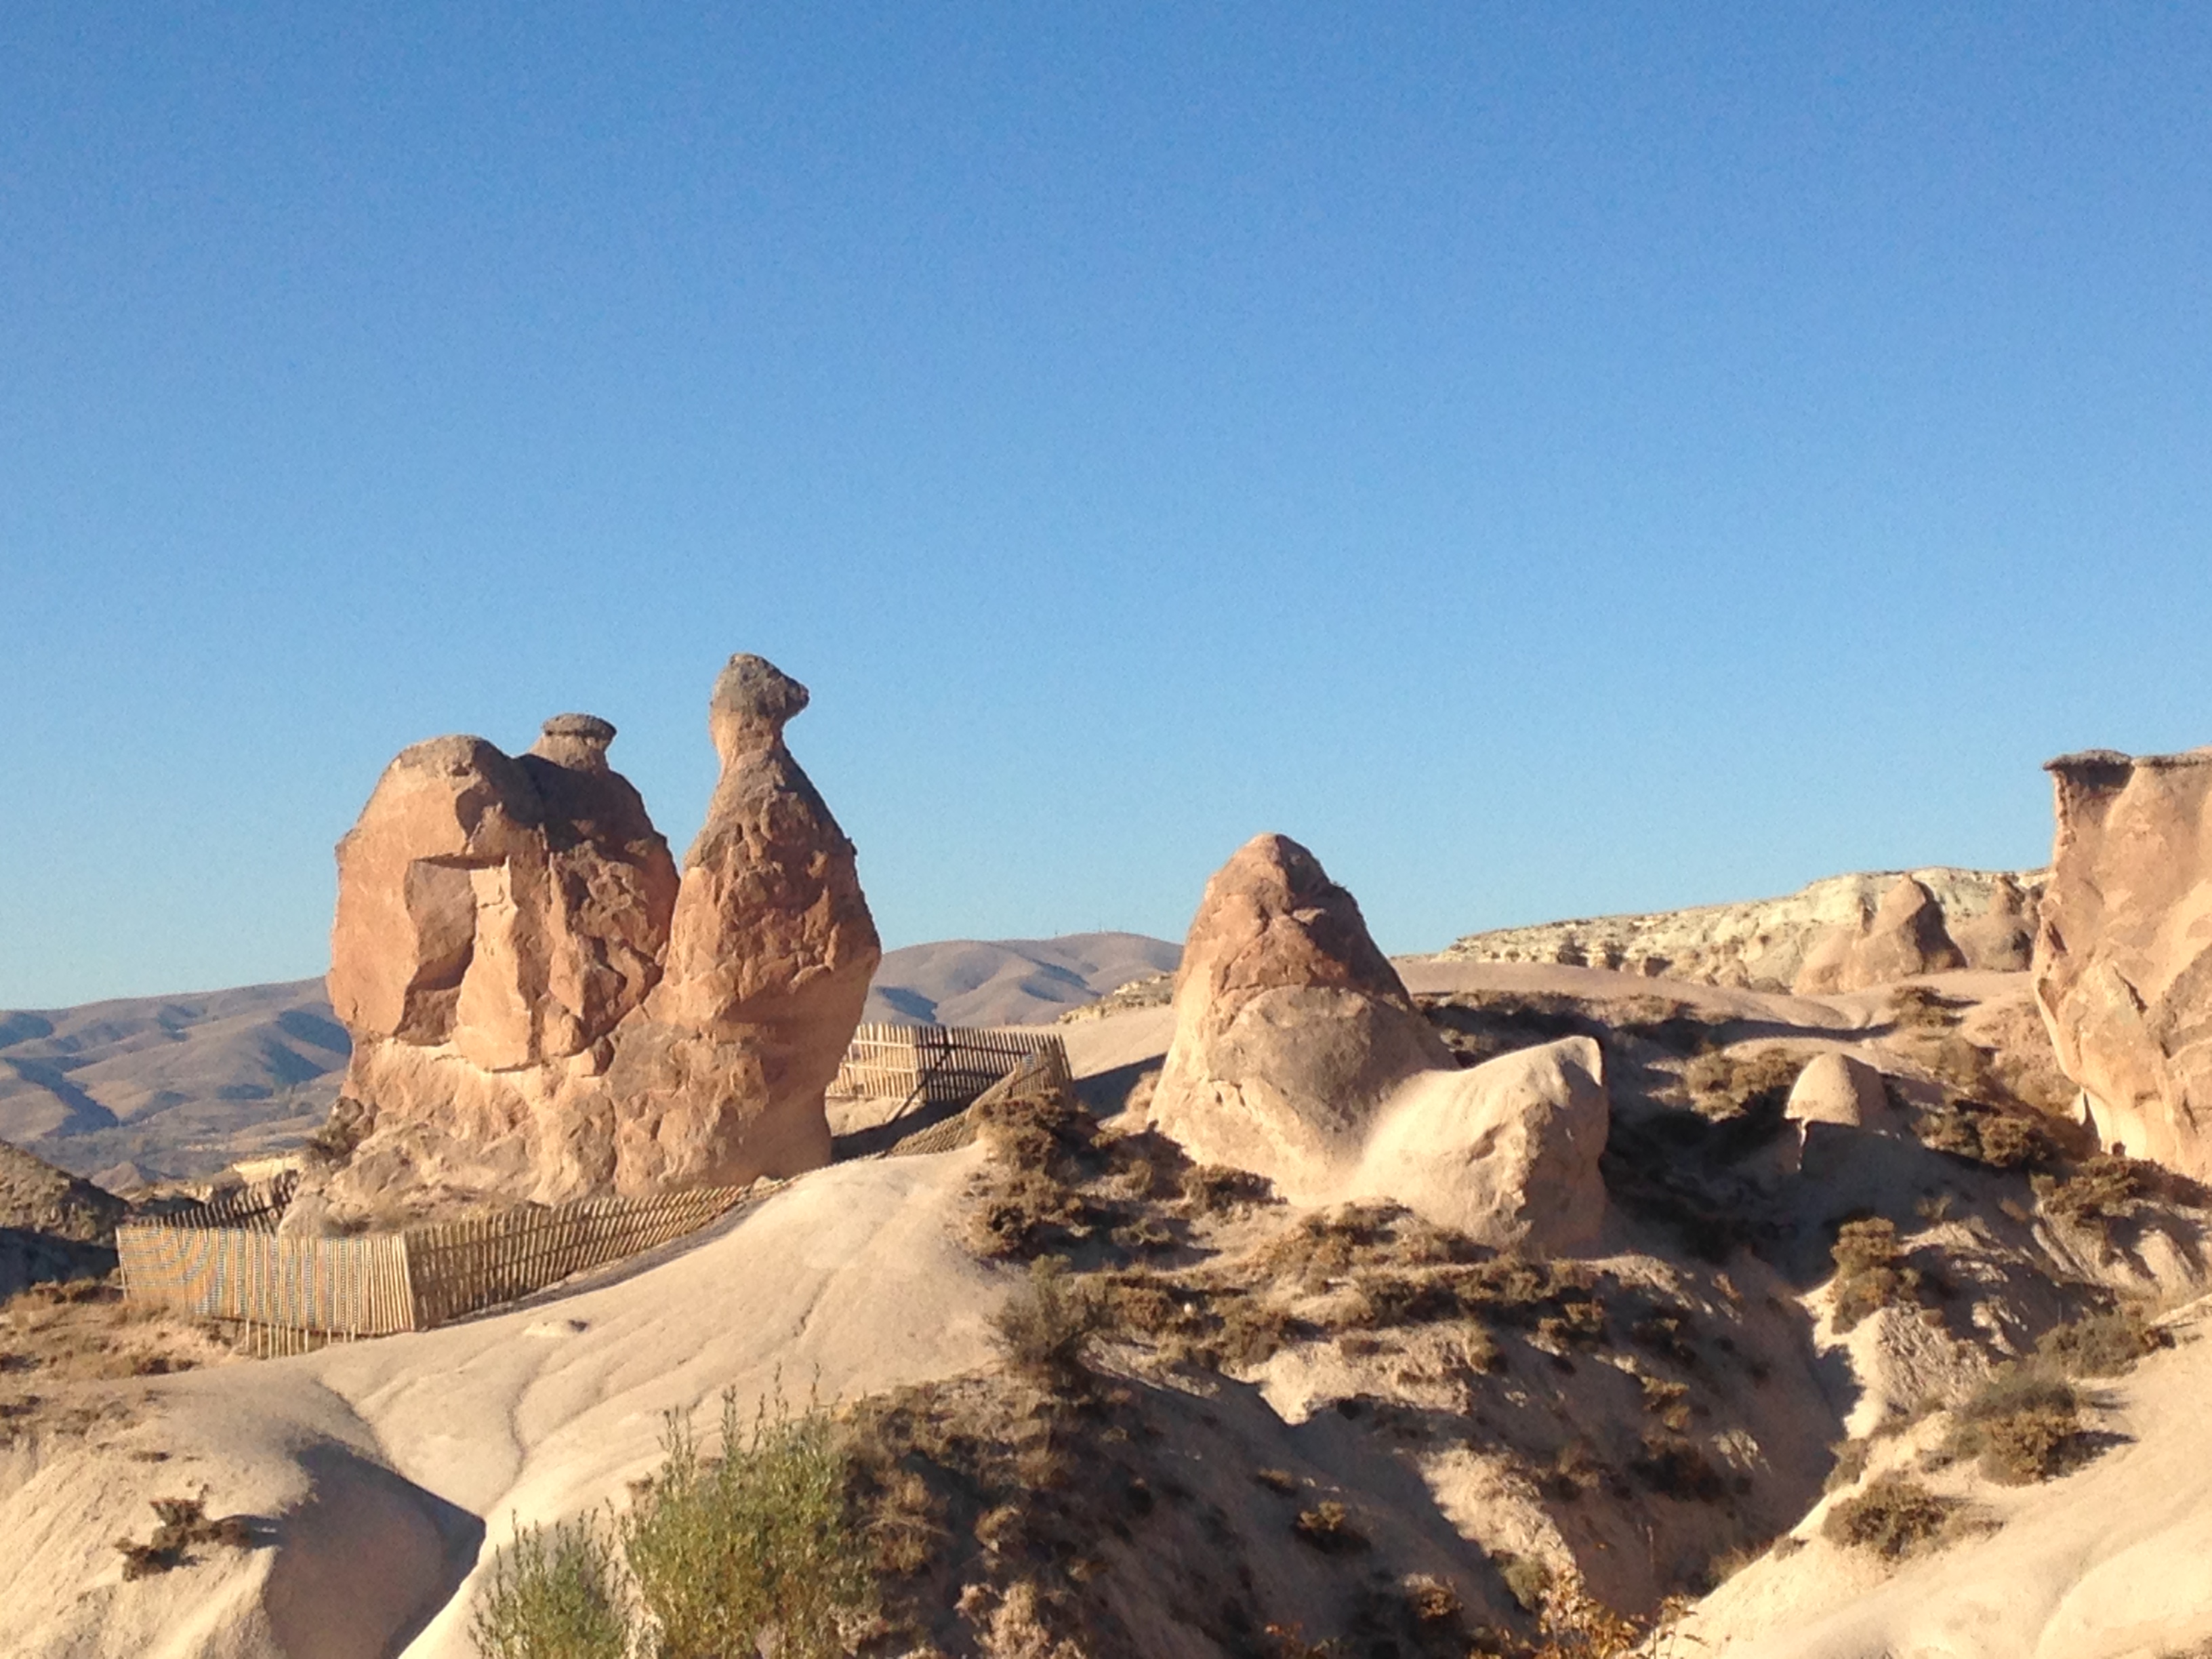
543,1009
1291,1027
2123,954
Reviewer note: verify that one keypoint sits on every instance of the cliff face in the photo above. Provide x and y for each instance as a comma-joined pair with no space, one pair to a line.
2124,956
1766,943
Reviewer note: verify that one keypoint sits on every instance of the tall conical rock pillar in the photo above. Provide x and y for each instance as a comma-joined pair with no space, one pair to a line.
769,955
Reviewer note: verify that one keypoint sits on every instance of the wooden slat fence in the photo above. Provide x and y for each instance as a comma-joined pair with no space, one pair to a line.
224,1260
258,1206
359,1285
459,1267
933,1064
381,1283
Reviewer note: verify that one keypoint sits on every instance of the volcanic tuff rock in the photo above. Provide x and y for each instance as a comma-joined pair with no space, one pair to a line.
541,1009
1837,1088
2124,958
1506,1153
769,956
1291,1027
1762,945
1904,937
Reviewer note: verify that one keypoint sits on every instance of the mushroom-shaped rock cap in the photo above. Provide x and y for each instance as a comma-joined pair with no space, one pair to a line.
752,700
578,741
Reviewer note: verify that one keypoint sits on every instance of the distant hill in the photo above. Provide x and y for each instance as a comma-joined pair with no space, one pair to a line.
1014,981
144,1087
173,1085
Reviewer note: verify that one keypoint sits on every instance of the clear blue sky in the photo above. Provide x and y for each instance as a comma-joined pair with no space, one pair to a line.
1549,460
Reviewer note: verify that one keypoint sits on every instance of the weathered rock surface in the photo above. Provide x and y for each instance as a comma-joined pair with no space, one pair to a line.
542,1010
1763,944
1904,936
1838,1088
516,908
2124,956
36,1197
1291,1027
1506,1152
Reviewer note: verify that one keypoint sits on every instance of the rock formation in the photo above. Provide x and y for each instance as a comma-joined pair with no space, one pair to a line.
541,1009
1291,1027
2001,939
769,955
1763,943
1837,1088
1904,936
2124,956
1506,1153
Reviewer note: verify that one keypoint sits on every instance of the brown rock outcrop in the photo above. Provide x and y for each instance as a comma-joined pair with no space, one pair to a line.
541,1009
1904,937
769,955
2124,956
515,908
1291,1027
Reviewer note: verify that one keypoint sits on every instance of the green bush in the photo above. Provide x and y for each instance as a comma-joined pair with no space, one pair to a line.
718,1557
554,1595
754,1545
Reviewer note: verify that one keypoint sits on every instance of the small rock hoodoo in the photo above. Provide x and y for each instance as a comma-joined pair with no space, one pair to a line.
542,1010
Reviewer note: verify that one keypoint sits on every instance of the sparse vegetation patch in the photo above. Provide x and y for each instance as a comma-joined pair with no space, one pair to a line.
1895,1516
2021,1426
1870,1271
181,1524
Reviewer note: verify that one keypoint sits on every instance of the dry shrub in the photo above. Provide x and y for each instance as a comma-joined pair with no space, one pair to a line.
1045,1325
1851,1463
2021,1426
1526,1580
1999,1139
1576,1469
1327,1527
2103,1344
1215,1189
1732,1083
1675,1467
1431,1599
1923,1007
1326,1244
181,1523
2101,1190
1894,1516
1870,1271
1666,1401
